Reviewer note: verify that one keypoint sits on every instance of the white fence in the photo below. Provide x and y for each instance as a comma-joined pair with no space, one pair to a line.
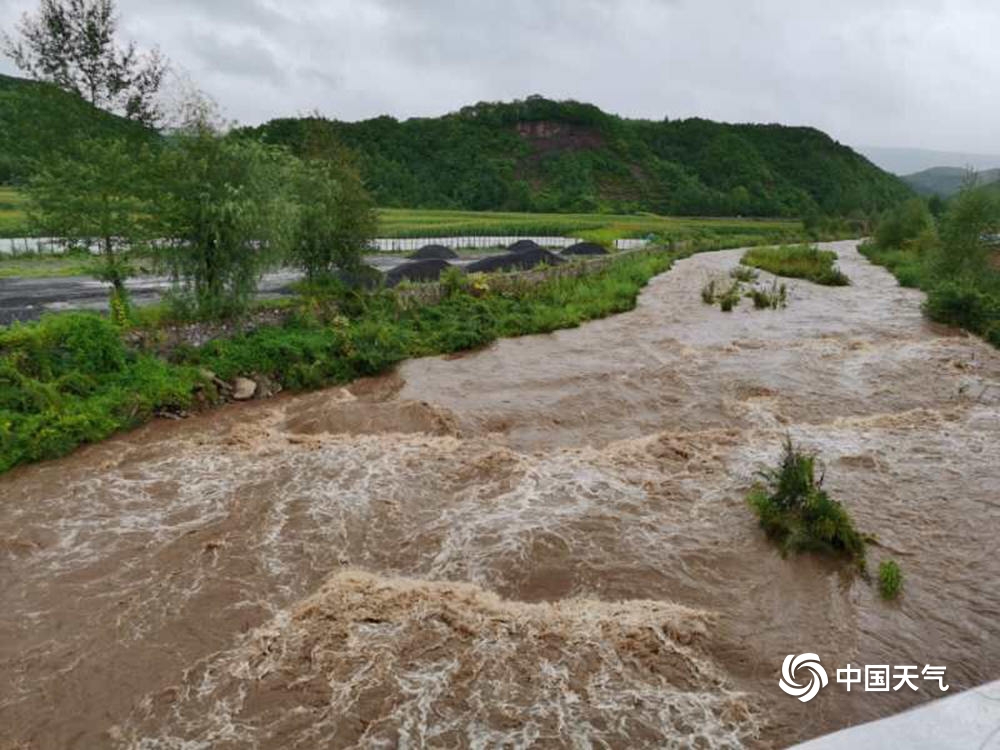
409,244
54,246
631,244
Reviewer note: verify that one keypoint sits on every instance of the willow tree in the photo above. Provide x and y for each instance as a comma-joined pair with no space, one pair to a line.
222,205
97,196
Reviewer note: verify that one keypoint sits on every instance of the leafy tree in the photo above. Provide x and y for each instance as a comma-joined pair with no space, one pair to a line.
968,230
903,224
96,196
223,207
73,44
335,218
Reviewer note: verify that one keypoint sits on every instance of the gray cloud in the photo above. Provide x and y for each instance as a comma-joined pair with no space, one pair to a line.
919,73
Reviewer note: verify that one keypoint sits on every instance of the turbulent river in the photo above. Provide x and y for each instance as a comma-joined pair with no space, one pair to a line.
541,544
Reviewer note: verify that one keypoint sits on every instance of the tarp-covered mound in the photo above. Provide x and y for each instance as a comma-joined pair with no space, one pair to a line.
364,277
418,270
524,246
521,261
584,248
431,252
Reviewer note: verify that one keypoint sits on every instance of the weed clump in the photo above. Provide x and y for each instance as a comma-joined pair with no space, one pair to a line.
797,513
744,274
708,293
731,297
890,579
774,298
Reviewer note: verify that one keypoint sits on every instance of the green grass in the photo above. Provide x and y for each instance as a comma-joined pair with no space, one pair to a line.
797,513
890,579
69,379
47,266
798,262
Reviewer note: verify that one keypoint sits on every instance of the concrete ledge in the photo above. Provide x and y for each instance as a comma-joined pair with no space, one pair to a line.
958,722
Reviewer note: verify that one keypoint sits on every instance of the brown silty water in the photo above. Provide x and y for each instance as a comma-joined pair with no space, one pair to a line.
541,544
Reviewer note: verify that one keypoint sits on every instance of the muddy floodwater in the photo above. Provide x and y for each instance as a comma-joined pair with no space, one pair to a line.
541,544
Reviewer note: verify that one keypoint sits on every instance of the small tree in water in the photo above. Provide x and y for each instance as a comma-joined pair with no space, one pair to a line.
795,510
96,196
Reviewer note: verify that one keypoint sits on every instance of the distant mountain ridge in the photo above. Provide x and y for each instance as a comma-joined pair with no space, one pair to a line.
905,161
948,181
545,155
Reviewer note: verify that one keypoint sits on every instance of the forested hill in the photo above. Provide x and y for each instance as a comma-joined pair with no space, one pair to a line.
39,118
544,155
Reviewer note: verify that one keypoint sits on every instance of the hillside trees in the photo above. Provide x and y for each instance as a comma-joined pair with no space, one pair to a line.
544,155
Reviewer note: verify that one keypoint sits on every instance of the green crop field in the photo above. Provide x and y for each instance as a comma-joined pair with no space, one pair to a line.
603,228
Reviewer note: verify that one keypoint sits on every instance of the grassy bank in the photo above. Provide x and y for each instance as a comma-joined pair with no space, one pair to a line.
954,258
47,266
69,379
970,301
798,262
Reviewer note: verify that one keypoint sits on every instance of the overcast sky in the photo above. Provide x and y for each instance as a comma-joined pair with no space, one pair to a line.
916,73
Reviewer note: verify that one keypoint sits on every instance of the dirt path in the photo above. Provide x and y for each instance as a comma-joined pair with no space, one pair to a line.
540,544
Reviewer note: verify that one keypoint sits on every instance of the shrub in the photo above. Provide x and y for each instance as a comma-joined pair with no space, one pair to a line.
962,303
890,579
795,511
453,281
744,274
903,224
68,379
